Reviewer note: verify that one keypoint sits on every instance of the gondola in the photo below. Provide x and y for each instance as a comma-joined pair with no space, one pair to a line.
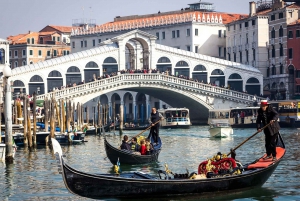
128,157
139,184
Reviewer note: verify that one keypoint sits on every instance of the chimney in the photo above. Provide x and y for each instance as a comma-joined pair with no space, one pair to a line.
252,8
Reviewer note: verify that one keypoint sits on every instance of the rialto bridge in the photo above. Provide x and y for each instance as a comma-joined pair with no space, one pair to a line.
124,52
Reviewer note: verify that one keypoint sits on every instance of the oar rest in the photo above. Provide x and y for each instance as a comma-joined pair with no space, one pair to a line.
261,163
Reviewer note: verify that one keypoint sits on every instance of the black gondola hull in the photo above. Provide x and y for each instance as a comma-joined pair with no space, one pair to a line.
97,186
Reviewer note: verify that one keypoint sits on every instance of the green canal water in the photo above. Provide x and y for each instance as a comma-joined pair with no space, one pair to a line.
34,175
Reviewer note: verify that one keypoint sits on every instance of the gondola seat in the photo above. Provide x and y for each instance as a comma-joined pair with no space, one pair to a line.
261,163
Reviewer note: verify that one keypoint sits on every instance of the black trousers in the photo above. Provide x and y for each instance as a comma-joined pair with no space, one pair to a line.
154,132
270,144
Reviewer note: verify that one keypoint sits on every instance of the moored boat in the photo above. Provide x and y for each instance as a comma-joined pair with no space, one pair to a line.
128,157
139,184
175,118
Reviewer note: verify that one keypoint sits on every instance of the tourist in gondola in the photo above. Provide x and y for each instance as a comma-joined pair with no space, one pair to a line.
266,115
143,148
153,120
149,147
135,147
125,144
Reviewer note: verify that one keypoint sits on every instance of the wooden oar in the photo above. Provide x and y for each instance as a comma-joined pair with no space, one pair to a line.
232,150
146,129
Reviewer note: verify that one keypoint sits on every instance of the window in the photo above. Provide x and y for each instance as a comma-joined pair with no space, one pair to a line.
24,52
220,33
240,26
188,48
178,33
241,57
173,34
73,44
228,28
268,72
64,39
273,51
247,55
40,52
16,53
94,42
85,43
273,33
246,24
220,51
253,54
30,52
196,32
53,38
281,50
48,53
280,31
229,57
273,70
54,53
163,35
58,38
273,17
290,34
99,40
9,53
281,69
280,15
23,63
234,57
290,53
16,64
224,33
81,43
188,32
28,40
224,51
65,52
253,22
157,35
234,26
32,41
297,33
68,52
196,49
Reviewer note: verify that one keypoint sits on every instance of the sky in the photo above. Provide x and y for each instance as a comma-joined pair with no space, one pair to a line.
21,16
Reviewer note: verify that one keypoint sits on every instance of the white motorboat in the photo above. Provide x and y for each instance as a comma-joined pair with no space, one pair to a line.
220,129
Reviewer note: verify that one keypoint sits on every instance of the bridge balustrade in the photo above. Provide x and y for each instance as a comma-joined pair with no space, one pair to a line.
182,83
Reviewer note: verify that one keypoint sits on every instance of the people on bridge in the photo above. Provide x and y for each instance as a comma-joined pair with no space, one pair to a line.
154,119
266,115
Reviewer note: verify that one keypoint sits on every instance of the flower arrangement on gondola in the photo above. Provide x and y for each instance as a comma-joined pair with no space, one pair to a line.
219,165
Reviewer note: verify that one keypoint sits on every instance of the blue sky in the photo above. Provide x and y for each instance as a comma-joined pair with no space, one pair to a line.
21,16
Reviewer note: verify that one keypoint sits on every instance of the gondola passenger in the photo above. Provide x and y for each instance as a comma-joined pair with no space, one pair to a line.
149,147
143,148
135,147
125,144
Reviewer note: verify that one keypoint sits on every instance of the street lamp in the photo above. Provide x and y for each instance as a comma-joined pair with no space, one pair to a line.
8,113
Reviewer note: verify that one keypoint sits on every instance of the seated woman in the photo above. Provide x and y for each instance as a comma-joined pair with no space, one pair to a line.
143,148
125,144
135,147
149,147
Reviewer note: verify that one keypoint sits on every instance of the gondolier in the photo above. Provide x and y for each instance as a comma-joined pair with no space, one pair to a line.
154,118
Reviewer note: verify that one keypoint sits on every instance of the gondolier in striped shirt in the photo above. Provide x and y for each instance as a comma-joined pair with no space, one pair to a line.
154,131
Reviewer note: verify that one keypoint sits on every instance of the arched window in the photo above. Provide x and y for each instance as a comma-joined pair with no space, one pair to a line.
235,76
280,31
24,63
281,69
182,63
54,73
110,60
273,70
16,64
217,72
281,50
36,78
91,64
273,51
200,68
32,40
163,60
268,72
28,40
18,83
252,80
73,69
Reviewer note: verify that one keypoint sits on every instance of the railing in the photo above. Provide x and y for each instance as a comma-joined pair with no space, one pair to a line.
147,79
177,119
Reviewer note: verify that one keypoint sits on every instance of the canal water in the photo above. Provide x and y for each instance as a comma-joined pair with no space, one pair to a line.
34,175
